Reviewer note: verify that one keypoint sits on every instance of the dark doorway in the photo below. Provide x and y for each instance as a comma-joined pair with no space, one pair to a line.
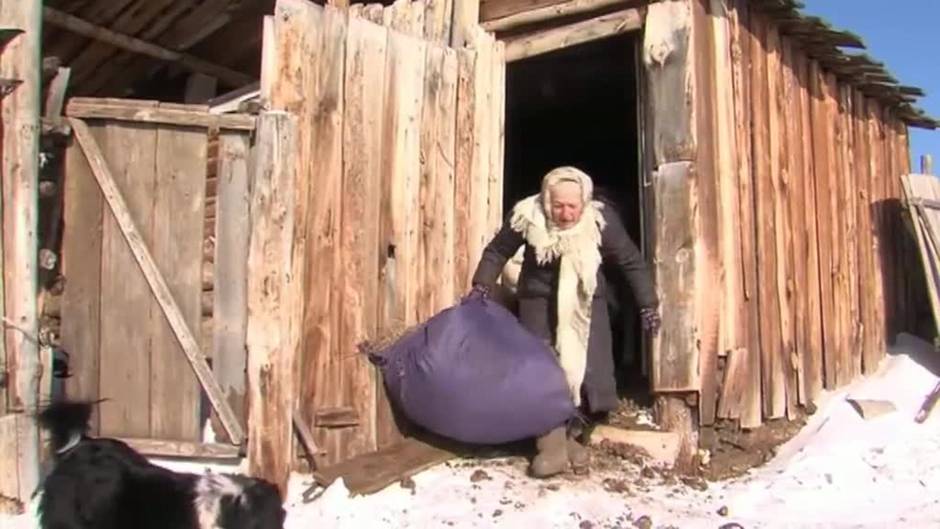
579,106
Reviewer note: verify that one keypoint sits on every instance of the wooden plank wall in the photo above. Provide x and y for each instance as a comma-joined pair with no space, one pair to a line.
120,344
404,184
815,225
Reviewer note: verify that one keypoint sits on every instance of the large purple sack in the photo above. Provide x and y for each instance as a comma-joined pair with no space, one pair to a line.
474,374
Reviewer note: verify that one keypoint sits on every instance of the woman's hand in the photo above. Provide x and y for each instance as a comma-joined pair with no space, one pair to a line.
650,319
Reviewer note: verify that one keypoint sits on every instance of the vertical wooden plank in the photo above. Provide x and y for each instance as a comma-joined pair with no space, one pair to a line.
404,83
496,137
437,21
463,163
482,181
465,21
812,307
321,370
708,258
778,68
890,235
850,201
843,299
276,291
178,212
860,191
232,234
747,406
437,183
796,213
81,265
667,56
823,141
362,168
875,171
19,155
128,314
765,159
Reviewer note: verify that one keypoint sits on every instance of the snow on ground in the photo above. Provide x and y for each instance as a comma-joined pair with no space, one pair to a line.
840,471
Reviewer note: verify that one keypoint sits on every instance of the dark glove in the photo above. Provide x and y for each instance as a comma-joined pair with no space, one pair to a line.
650,319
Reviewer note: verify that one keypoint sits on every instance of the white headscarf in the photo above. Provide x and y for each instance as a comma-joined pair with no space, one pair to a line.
578,248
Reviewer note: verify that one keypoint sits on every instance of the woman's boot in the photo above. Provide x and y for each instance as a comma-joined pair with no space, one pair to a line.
552,456
577,454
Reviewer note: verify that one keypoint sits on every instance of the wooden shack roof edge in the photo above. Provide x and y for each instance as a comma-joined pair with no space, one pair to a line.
169,37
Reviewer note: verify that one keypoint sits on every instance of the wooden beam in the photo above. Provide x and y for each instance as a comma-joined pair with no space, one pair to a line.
275,299
578,33
19,172
55,97
540,14
155,279
134,110
164,448
87,29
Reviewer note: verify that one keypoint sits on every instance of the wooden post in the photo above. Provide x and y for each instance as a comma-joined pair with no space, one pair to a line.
275,301
668,58
20,174
466,18
926,164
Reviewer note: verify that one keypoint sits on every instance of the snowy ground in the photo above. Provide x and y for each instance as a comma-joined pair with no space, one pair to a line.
840,472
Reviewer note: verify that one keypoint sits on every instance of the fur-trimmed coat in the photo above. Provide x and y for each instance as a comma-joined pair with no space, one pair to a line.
537,297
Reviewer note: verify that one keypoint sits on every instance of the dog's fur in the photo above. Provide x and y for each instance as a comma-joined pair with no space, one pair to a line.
99,483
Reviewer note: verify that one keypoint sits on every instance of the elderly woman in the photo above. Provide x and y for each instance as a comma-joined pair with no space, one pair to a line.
561,293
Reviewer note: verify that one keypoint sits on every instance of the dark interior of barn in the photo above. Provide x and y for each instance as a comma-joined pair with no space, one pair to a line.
579,106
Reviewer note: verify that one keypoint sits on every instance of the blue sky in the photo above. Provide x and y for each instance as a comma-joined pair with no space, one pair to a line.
903,35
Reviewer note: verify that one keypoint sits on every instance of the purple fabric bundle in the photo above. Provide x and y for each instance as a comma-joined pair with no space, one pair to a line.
472,373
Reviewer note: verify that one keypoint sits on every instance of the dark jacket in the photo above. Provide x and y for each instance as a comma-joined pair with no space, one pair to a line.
617,250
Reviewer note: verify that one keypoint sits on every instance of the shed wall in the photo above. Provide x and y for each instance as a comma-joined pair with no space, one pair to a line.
810,264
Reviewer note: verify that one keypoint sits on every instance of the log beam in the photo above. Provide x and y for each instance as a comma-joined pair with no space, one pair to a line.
19,171
119,40
578,33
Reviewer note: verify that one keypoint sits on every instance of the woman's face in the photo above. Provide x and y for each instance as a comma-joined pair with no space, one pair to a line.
566,204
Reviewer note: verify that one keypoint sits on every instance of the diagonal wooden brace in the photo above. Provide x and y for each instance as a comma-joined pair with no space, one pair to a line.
158,285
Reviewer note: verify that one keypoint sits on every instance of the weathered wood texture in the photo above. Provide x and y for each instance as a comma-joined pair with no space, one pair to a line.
821,248
132,311
275,295
19,156
397,134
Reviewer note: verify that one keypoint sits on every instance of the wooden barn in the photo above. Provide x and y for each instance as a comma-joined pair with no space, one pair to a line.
233,195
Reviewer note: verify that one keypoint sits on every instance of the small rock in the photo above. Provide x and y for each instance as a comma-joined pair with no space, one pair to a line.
811,408
696,483
554,487
732,525
408,483
586,525
643,522
723,510
615,485
647,473
497,513
479,475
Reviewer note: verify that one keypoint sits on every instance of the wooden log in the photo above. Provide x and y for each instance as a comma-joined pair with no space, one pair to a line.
874,208
497,137
673,414
826,193
19,204
229,273
147,112
275,299
667,57
812,314
545,13
711,158
766,156
850,176
865,277
437,21
187,449
55,94
549,40
463,162
751,413
359,239
843,301
155,280
84,28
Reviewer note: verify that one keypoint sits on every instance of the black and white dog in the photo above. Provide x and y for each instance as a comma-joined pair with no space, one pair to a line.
99,483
